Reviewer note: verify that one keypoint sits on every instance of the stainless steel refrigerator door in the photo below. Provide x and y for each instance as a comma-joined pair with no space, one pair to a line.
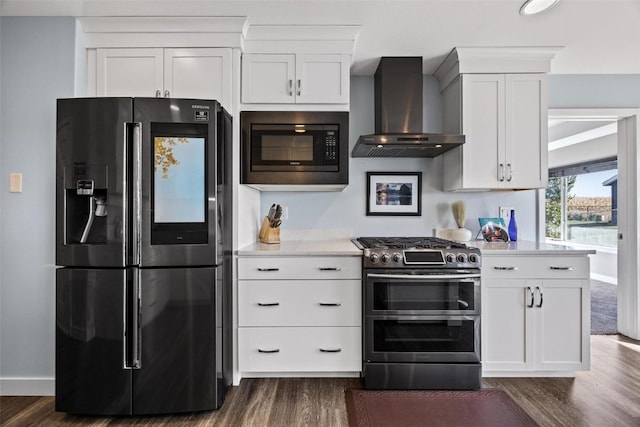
90,342
178,210
90,181
178,332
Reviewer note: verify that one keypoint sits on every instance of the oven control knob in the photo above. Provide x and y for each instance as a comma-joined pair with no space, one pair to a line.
473,258
462,258
374,258
450,258
385,258
397,257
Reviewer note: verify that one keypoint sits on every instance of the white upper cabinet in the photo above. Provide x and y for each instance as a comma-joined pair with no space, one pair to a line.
497,98
295,79
504,120
202,73
198,73
129,72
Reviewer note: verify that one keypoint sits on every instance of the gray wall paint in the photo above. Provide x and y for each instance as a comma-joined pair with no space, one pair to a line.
37,61
346,210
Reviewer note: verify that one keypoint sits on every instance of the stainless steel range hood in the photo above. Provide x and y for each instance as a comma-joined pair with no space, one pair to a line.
398,115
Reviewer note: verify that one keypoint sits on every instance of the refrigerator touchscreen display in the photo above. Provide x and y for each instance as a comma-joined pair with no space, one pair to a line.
179,179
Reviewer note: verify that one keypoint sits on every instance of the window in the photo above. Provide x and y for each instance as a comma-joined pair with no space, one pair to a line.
581,204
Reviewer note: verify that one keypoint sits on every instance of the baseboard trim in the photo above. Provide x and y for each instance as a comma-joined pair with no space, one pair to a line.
27,386
603,278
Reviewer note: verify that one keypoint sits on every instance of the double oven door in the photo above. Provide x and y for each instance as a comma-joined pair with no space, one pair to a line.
422,315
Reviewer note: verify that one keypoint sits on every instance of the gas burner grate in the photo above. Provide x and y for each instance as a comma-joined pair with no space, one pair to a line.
408,242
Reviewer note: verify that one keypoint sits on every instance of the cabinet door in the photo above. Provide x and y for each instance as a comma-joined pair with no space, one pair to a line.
506,325
483,105
129,72
322,79
526,130
198,73
563,325
268,78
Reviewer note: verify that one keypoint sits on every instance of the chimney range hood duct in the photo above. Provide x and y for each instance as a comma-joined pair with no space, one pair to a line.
398,115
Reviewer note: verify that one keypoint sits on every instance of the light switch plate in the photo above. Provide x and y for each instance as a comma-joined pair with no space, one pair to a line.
505,212
15,183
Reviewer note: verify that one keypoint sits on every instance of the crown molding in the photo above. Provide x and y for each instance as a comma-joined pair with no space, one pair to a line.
489,60
165,31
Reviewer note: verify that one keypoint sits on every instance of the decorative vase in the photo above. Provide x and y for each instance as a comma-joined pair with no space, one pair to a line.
513,227
460,234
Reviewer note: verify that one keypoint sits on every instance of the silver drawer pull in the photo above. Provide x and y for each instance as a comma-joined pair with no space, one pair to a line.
330,268
330,304
275,350
331,350
561,268
511,268
268,269
268,304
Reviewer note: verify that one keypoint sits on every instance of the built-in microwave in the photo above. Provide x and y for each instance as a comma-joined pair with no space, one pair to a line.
295,150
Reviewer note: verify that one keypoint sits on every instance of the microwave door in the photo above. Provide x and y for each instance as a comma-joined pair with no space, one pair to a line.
178,210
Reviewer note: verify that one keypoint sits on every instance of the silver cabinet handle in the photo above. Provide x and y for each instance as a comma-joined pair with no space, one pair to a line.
299,87
531,295
275,350
501,172
330,350
166,93
268,304
510,172
158,93
568,268
290,87
268,269
510,268
330,268
330,304
540,292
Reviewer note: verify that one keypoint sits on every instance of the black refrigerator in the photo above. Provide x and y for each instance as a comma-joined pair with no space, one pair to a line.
143,242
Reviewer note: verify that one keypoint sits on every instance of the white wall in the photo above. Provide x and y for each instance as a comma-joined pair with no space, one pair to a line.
37,66
346,210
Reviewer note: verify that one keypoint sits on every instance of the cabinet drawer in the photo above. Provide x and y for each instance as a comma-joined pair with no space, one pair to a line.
266,268
536,267
299,303
300,349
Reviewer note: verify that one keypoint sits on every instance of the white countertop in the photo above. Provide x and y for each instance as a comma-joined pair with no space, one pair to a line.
338,247
521,247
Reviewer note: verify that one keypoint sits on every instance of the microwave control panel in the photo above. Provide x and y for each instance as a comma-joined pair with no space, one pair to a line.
330,147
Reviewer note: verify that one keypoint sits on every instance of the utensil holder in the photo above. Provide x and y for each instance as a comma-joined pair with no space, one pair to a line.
267,233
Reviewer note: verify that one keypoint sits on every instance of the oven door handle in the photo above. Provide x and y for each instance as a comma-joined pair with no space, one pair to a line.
433,277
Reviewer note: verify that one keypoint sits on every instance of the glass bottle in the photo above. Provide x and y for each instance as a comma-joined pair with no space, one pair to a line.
513,227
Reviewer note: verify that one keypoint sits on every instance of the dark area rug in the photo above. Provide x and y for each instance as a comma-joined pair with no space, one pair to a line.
400,408
604,308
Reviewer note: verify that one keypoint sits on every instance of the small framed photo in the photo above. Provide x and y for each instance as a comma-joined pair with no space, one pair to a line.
493,229
394,193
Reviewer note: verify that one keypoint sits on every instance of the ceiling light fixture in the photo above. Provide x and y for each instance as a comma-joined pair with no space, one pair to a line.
533,7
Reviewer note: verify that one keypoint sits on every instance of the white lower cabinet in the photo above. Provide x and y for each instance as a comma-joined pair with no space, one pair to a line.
535,315
295,349
299,315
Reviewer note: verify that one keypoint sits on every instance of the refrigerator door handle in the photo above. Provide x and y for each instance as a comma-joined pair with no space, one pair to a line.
133,223
132,320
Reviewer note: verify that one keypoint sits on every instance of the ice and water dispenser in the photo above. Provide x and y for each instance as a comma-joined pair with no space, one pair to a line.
85,204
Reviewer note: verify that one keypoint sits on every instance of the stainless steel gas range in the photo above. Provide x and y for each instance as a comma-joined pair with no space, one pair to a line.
421,308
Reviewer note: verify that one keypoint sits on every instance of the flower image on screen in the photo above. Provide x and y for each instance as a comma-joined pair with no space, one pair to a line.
179,180
393,193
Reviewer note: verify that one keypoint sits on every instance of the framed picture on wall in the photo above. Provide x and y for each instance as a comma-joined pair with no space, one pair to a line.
394,193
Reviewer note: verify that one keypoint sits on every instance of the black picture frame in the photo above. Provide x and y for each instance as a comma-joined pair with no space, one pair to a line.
394,193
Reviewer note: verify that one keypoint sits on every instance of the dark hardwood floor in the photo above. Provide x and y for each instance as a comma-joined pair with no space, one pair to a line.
607,395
